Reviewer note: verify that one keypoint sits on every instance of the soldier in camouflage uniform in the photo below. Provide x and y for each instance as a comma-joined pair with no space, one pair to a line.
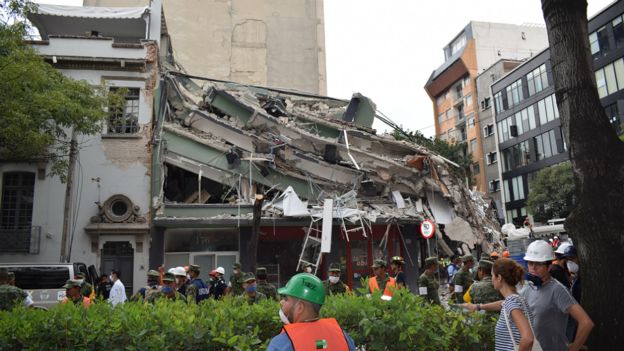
197,290
153,280
333,285
168,290
11,296
263,286
463,279
86,289
235,286
427,283
252,295
483,291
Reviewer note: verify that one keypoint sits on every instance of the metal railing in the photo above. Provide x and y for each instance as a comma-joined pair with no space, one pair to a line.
20,240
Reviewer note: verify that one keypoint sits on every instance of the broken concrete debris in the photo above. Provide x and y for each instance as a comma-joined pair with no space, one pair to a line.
228,142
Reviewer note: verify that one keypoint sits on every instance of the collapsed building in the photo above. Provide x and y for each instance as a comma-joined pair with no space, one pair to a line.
282,179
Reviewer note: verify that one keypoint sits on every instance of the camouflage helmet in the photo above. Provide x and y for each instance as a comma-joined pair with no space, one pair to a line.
334,267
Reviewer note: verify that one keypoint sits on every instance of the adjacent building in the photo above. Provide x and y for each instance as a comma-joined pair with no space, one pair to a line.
488,127
528,129
452,86
271,43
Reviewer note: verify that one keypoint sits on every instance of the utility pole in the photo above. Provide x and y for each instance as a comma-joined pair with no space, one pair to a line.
73,150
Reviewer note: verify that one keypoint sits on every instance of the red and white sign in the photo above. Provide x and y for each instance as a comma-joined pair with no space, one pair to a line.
427,228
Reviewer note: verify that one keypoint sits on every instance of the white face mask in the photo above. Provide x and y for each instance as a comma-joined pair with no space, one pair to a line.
572,266
283,317
110,277
333,279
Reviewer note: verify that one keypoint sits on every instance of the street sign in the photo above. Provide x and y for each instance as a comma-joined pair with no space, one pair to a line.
427,228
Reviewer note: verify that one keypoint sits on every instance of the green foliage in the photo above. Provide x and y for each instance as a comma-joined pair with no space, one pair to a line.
454,152
40,106
552,193
405,323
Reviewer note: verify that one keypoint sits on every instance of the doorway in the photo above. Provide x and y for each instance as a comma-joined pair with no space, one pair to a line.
119,255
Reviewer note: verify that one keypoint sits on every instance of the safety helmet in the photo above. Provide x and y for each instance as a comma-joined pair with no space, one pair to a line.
213,273
398,260
570,251
561,249
220,270
179,271
539,251
306,287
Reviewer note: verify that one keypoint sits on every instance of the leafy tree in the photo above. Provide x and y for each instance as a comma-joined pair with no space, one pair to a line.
552,193
40,107
597,157
453,152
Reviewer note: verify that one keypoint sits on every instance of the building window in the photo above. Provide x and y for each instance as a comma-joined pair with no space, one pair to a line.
458,92
618,31
517,188
473,145
599,43
545,145
547,109
610,78
18,189
441,117
468,100
460,112
518,155
498,102
476,169
471,122
488,130
125,119
492,157
514,93
458,44
440,99
485,103
494,185
537,80
615,118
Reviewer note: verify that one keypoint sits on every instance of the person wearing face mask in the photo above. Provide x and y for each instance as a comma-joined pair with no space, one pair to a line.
558,269
118,291
218,287
252,295
552,303
302,299
181,281
333,285
234,287
86,287
263,285
572,263
307,268
427,284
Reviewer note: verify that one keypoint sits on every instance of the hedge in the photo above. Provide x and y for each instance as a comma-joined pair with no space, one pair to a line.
405,323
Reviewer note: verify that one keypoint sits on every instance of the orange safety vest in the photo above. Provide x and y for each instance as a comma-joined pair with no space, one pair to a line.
323,334
86,302
374,286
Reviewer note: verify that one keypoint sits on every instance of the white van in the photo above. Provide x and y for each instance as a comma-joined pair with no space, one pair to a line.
44,282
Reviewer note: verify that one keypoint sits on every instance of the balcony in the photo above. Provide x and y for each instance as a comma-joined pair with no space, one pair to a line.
22,240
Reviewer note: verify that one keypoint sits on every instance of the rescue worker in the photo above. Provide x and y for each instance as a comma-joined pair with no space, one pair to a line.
73,292
427,284
303,297
234,287
483,291
85,287
181,281
218,287
493,256
397,271
252,295
381,280
263,285
559,269
463,279
11,296
196,290
153,280
451,270
167,290
333,285
307,268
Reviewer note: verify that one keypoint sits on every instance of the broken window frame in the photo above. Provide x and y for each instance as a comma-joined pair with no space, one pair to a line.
125,121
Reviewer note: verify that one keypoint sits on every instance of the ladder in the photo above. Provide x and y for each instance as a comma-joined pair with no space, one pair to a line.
349,200
311,251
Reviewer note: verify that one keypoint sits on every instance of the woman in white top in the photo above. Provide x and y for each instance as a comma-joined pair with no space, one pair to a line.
506,274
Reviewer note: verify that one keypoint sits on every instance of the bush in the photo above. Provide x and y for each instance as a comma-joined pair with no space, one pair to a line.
405,323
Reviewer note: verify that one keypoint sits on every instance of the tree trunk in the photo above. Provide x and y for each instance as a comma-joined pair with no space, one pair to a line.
597,156
68,205
252,245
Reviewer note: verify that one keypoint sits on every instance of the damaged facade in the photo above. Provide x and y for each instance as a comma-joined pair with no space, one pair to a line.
219,145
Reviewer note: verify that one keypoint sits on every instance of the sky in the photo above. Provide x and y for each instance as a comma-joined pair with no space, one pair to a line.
387,49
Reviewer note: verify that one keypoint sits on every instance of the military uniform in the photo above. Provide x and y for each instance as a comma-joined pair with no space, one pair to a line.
164,290
462,280
235,284
10,296
483,291
427,284
141,295
337,288
253,299
263,286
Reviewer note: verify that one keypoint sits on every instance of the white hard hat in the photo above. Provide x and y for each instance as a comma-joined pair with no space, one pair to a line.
179,271
561,249
171,270
220,270
539,251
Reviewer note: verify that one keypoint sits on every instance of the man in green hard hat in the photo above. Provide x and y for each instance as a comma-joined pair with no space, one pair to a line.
302,299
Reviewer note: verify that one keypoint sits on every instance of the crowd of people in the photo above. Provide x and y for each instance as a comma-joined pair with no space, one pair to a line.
537,307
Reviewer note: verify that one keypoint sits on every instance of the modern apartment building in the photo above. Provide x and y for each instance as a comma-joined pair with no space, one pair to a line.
452,89
528,128
488,125
273,43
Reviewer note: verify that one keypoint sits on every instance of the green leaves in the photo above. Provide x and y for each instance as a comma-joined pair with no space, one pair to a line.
552,193
404,323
